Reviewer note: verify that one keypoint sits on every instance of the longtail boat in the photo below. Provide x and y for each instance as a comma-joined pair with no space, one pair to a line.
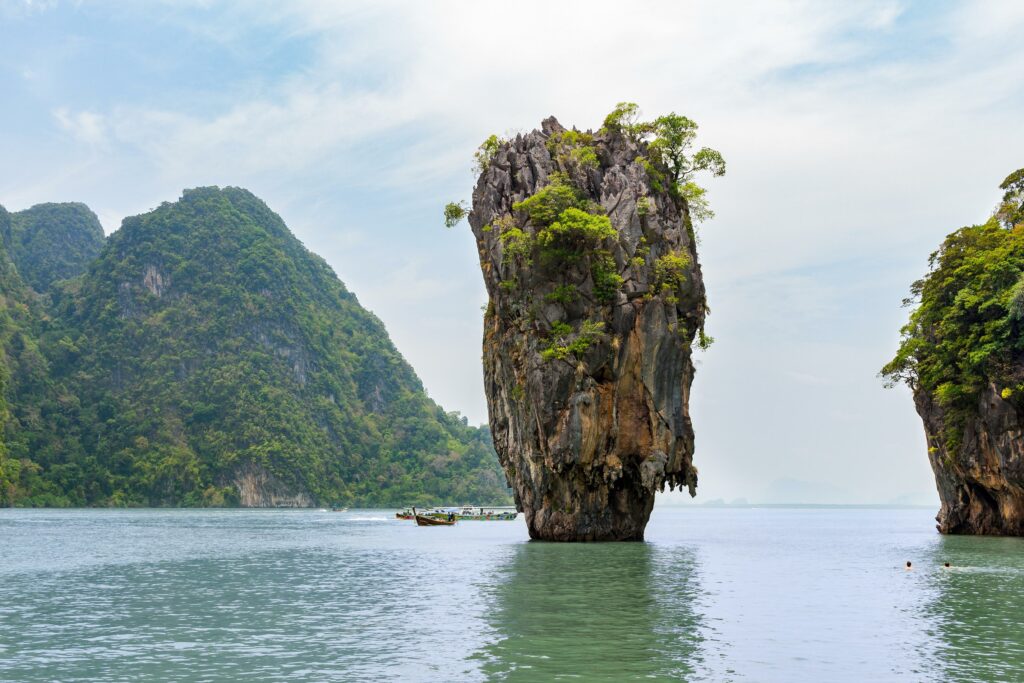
423,520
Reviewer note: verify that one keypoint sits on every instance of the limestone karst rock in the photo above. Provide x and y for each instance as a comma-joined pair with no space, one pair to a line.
962,355
596,297
981,482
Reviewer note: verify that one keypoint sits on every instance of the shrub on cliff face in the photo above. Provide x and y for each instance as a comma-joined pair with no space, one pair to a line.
605,275
670,140
453,213
483,155
576,229
1011,209
967,327
670,274
518,246
564,341
625,118
547,204
573,148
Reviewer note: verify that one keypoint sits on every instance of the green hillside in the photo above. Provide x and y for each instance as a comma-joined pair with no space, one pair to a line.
52,242
207,358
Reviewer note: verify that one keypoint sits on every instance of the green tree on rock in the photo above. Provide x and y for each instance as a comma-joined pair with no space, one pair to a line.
1011,209
968,327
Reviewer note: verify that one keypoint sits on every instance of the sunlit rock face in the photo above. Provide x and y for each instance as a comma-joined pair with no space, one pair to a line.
587,341
981,482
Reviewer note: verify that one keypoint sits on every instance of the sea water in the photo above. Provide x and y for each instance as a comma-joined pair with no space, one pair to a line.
714,594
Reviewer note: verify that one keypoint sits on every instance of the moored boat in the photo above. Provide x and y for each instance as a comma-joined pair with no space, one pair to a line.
479,514
424,520
465,513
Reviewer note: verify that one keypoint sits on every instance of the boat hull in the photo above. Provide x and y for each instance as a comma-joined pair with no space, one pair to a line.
431,521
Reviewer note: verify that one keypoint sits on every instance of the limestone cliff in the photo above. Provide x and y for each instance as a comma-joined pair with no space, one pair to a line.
962,354
980,482
595,299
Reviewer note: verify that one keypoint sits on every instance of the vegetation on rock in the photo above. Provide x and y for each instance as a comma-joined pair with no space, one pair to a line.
587,249
483,155
453,213
962,354
967,330
670,137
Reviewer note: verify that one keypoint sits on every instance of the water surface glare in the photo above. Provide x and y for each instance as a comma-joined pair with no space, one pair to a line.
715,594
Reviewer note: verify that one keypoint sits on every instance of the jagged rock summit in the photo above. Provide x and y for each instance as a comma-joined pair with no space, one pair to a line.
596,296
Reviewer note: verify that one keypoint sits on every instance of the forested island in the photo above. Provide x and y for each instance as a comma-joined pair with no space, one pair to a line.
202,356
962,354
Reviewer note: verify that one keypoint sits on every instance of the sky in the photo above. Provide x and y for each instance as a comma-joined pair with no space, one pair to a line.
857,135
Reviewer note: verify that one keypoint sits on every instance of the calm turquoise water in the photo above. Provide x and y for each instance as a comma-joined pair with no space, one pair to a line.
716,594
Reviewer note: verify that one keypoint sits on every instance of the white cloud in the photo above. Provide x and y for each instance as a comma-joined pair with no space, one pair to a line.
85,126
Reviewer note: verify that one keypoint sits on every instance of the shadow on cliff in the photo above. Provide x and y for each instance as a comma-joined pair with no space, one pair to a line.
595,612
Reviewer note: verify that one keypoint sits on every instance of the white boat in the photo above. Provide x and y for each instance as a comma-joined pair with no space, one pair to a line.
469,513
481,514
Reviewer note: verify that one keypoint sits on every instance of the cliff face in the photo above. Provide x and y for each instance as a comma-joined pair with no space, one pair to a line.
962,354
980,483
588,333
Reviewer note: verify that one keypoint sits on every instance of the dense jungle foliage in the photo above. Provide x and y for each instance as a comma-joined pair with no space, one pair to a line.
967,331
52,242
204,344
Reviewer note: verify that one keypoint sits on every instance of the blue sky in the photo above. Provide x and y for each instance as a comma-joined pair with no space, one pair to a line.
857,136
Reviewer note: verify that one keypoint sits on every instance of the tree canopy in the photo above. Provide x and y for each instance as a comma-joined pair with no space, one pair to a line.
967,329
52,242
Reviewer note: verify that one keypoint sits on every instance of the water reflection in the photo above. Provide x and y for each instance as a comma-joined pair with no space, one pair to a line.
595,612
976,615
